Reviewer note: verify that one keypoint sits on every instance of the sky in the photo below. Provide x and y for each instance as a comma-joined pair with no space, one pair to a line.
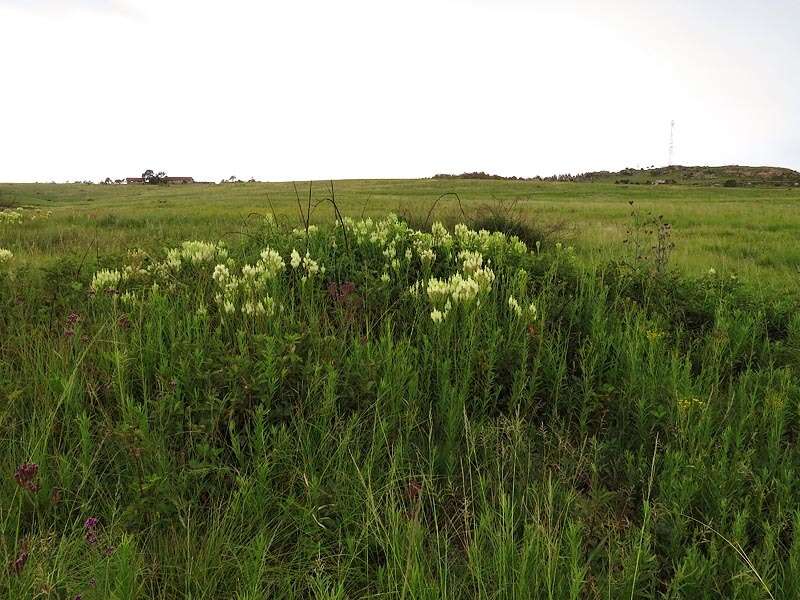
316,89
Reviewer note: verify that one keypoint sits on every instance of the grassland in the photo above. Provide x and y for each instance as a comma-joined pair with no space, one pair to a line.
748,232
385,408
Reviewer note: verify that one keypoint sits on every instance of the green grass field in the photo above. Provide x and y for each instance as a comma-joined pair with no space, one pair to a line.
748,232
203,396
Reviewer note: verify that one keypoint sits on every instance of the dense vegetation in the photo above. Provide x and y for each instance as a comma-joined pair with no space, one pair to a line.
371,408
728,176
747,232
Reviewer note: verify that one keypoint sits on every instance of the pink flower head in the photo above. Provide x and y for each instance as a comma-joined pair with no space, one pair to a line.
25,475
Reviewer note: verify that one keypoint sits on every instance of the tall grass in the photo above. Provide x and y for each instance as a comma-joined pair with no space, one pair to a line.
623,433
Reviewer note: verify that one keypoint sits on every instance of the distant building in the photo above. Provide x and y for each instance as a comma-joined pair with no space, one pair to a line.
140,180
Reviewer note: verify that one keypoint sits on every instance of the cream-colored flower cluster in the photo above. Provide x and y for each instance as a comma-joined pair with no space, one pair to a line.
247,290
11,216
470,261
17,215
399,244
459,288
489,243
427,256
377,233
272,262
5,256
440,236
301,231
531,312
192,252
309,265
106,279
467,256
197,252
244,292
266,268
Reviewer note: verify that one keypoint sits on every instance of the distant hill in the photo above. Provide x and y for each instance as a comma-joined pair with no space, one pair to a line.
729,176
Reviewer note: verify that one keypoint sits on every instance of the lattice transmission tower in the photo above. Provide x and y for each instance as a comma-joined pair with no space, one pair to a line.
671,142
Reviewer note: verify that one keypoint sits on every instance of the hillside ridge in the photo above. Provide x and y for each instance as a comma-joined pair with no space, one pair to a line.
727,175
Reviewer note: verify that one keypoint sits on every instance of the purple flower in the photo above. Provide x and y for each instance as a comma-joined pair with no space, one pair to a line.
91,523
25,475
90,530
73,318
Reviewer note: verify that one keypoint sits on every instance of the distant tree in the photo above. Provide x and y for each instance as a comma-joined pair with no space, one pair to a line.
154,178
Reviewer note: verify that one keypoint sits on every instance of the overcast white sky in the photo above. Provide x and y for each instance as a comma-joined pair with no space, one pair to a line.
300,89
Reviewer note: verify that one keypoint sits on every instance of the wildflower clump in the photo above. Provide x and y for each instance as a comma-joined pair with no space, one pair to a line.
271,262
533,312
135,269
197,252
5,256
311,266
463,264
455,290
221,274
247,290
90,530
295,259
441,237
463,288
470,261
266,269
11,216
106,279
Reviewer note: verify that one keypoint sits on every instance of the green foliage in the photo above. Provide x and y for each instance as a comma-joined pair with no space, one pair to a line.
247,422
